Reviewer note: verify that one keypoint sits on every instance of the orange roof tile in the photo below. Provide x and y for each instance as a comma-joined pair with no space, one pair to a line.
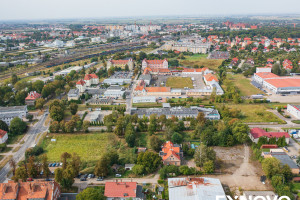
284,82
210,77
158,89
80,82
2,133
33,95
119,189
265,75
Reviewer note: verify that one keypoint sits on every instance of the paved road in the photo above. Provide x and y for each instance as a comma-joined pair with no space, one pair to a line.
30,141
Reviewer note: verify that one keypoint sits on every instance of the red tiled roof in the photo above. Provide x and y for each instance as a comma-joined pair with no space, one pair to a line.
120,189
90,76
265,75
120,62
194,70
210,77
2,133
80,82
258,132
169,149
284,82
158,89
29,190
155,61
33,95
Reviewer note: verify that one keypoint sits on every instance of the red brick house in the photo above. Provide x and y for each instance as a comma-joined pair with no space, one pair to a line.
31,98
171,154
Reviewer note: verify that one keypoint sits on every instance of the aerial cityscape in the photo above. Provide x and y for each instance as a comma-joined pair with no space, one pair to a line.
172,101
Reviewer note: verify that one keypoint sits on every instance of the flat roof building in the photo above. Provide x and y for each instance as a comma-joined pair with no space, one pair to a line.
8,113
199,188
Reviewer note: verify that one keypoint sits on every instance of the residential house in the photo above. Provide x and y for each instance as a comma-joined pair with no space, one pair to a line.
31,98
81,85
73,94
3,136
123,190
91,79
46,190
171,154
256,133
284,160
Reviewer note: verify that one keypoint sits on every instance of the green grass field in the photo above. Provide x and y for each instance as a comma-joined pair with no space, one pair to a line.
243,84
179,82
89,147
200,60
256,113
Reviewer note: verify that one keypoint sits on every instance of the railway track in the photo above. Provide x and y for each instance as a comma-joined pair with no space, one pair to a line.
79,55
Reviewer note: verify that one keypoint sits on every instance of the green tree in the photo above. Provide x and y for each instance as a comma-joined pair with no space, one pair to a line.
17,126
155,143
54,127
149,160
271,166
138,169
177,138
14,79
3,126
85,126
38,86
45,167
21,174
73,108
56,113
39,103
209,167
130,135
91,193
204,154
32,168
102,167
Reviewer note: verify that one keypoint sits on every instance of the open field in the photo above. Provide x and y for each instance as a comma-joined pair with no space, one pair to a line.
236,167
256,113
89,147
179,82
201,60
244,85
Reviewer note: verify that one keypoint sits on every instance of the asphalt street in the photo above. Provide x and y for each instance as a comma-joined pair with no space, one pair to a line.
30,141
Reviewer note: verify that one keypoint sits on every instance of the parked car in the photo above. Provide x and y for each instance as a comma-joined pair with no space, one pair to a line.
100,178
83,179
57,164
29,179
85,176
48,179
50,164
118,175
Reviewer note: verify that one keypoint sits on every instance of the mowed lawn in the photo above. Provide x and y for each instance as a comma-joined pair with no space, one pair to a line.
244,85
89,147
256,113
201,60
179,82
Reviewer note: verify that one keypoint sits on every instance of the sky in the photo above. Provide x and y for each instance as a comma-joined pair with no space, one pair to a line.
69,9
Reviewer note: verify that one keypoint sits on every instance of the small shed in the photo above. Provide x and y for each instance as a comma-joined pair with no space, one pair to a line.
129,166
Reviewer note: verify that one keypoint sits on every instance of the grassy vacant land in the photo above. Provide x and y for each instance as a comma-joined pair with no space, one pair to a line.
201,60
243,84
89,147
146,105
179,82
256,113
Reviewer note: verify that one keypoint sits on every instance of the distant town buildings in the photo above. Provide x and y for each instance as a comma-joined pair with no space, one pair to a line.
119,78
155,64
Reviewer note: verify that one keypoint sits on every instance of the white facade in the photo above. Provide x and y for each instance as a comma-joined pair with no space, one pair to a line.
263,69
146,99
294,110
8,113
4,138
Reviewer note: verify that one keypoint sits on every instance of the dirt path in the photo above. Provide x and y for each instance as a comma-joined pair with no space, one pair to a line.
246,176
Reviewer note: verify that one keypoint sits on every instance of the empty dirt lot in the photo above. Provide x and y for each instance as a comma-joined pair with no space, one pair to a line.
238,170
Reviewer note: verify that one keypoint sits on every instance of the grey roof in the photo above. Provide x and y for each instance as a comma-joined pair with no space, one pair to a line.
100,101
199,188
285,159
68,196
93,91
13,109
114,87
73,92
165,111
129,165
145,77
139,192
